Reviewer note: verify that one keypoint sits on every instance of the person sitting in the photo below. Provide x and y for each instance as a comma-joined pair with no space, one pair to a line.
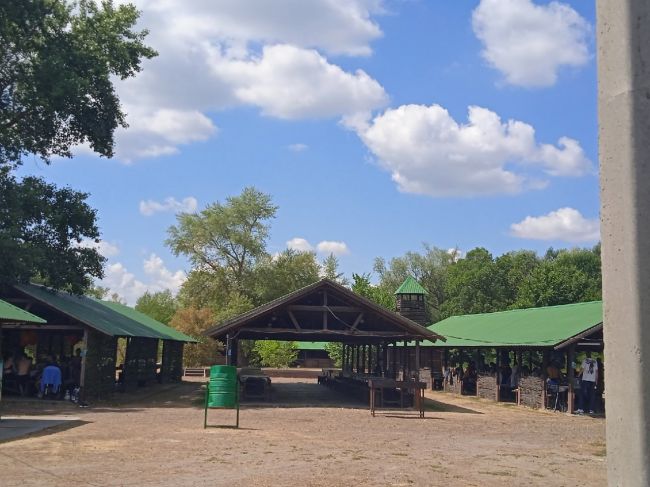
23,368
50,380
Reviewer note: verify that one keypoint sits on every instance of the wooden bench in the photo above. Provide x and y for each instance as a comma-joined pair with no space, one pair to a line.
195,372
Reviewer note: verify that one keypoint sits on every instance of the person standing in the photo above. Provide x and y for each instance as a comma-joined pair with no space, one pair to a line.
588,384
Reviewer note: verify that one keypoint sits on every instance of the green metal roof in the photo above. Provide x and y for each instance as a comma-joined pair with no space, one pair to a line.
93,313
171,333
411,286
532,327
311,345
13,314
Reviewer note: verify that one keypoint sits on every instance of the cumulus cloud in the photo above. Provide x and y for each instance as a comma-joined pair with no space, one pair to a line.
529,43
324,247
107,249
171,204
218,55
428,152
299,244
332,247
297,147
566,224
289,82
119,280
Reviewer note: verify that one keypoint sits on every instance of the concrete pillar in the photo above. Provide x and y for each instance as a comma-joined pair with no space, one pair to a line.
624,146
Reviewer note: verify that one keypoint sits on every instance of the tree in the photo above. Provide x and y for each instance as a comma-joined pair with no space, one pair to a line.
475,284
330,270
160,306
279,275
226,239
362,286
563,277
42,232
335,351
194,322
274,353
58,60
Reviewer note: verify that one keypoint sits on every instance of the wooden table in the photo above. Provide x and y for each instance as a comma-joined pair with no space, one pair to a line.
377,387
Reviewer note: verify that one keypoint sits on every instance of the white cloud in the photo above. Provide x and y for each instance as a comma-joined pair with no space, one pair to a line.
297,147
119,280
324,247
332,247
299,244
565,224
107,249
160,132
186,205
529,43
218,55
428,152
456,254
289,82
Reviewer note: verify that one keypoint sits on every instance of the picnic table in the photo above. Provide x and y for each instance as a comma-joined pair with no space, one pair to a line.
379,386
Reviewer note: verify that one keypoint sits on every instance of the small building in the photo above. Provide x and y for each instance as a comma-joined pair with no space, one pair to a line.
94,327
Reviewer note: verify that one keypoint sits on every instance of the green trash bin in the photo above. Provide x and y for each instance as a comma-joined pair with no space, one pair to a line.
222,390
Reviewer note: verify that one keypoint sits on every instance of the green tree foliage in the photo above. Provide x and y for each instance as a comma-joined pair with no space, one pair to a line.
335,351
58,60
160,306
362,286
563,277
41,229
330,270
283,273
474,285
194,322
274,353
226,240
429,268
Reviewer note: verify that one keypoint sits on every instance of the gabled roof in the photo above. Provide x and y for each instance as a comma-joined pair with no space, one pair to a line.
13,314
533,327
354,318
134,314
95,313
411,286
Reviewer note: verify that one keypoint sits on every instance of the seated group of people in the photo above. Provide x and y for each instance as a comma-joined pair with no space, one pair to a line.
48,377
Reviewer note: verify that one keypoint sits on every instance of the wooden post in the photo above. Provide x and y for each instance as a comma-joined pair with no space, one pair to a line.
545,357
82,378
417,358
498,378
571,355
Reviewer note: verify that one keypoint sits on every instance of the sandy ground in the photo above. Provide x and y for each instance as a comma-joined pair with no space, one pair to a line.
159,440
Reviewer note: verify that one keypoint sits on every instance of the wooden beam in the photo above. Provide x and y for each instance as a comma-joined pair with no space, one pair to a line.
357,321
316,308
326,311
293,320
31,326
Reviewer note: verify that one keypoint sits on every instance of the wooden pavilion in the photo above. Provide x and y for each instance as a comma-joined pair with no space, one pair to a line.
553,333
94,327
328,312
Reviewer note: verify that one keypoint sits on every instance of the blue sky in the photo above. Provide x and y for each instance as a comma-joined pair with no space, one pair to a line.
353,115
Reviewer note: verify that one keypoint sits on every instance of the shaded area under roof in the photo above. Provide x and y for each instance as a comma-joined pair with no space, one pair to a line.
13,314
94,313
532,327
323,311
411,286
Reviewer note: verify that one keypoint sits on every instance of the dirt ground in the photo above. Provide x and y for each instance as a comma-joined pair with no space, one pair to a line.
159,440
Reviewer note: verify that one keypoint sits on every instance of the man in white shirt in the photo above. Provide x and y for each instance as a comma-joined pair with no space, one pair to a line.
588,383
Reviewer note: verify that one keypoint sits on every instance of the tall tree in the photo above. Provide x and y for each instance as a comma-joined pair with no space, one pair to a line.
42,228
226,239
563,277
160,306
475,284
330,270
380,295
283,273
58,61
